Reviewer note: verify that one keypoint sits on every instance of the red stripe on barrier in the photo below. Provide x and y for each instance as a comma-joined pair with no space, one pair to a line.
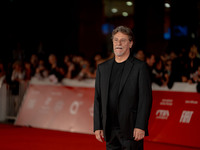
175,118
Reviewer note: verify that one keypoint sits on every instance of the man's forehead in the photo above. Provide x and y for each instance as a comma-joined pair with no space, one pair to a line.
120,35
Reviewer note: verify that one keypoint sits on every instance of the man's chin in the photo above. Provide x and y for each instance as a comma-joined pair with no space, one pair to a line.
119,54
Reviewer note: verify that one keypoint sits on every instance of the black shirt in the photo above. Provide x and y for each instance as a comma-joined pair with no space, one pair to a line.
115,78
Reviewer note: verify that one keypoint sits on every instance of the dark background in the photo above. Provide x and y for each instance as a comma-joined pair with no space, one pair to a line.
75,27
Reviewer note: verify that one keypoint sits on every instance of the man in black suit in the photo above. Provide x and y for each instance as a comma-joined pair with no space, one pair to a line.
123,96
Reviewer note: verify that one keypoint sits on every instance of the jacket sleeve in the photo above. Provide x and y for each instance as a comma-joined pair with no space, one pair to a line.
145,98
97,104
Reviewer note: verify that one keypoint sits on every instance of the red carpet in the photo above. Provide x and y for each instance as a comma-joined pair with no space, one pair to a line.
24,138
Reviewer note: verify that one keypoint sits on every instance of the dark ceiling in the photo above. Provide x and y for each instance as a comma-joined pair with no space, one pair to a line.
64,25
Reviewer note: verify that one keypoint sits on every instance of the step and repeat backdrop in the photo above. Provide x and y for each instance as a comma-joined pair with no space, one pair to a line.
174,119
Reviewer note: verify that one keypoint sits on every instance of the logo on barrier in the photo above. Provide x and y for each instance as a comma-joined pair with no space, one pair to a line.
56,93
162,114
167,102
58,106
46,107
191,102
74,107
31,103
48,100
186,116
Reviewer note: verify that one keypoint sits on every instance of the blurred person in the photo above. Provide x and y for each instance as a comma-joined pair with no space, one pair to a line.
73,70
28,71
110,56
158,73
178,69
98,59
54,70
195,50
17,77
182,53
192,64
196,75
167,72
140,55
86,71
172,55
164,57
64,66
2,70
66,59
34,60
150,60
196,78
77,59
41,70
52,61
123,96
18,72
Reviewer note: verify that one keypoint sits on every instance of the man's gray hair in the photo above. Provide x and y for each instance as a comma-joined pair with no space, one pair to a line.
124,30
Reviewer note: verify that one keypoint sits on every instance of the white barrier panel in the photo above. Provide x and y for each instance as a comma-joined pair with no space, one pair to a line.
58,107
3,102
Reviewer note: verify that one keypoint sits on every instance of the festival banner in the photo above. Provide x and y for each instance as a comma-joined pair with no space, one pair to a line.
174,117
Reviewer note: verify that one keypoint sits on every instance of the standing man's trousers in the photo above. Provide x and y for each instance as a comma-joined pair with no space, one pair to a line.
117,142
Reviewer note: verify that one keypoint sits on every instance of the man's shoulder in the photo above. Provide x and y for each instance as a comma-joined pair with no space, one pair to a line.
106,62
137,61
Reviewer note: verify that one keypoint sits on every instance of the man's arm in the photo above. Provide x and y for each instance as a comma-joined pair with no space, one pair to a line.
145,101
97,104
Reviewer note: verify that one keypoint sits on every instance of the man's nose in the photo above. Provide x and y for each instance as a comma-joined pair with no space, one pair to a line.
119,42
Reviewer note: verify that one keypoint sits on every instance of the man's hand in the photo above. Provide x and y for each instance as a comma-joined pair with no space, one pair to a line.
138,134
99,135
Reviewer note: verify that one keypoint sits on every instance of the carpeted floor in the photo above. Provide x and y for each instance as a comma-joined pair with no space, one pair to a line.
25,138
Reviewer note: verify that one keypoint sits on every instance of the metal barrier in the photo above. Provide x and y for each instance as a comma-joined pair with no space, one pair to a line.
15,94
3,104
11,96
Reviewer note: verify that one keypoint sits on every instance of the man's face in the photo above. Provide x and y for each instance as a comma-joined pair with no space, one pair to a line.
121,44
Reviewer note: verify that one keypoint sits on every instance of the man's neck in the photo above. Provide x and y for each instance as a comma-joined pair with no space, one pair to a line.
120,59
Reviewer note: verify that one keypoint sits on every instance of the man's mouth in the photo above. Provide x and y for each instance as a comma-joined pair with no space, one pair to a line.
118,47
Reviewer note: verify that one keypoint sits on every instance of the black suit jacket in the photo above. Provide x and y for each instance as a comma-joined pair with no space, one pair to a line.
135,97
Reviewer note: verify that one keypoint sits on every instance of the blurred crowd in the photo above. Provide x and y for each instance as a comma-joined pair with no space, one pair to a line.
51,67
165,69
172,67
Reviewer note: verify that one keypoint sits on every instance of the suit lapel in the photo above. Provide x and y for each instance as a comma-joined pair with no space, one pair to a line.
127,69
108,69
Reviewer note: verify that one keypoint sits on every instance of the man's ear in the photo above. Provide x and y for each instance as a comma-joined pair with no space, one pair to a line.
131,44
